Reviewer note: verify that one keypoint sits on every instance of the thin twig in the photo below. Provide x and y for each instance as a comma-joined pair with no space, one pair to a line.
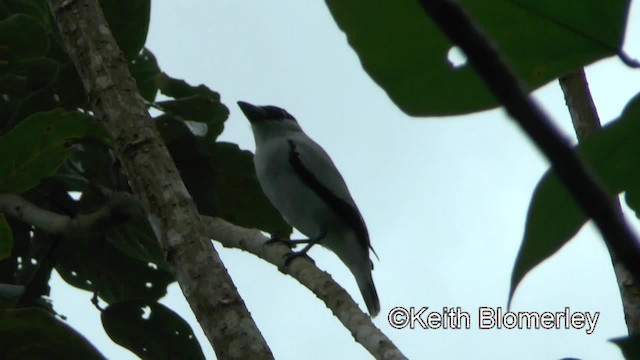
584,115
586,122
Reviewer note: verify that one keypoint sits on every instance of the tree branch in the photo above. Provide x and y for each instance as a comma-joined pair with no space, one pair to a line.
305,271
123,206
502,82
155,180
119,208
584,117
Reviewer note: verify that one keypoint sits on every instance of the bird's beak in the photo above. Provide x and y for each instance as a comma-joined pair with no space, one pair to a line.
252,112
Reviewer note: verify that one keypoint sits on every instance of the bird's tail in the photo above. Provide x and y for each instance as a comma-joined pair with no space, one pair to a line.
368,291
356,257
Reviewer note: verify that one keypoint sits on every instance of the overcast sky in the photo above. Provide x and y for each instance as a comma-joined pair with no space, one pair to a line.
445,199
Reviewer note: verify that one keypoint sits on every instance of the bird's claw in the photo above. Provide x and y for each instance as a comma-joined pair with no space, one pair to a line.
294,254
278,239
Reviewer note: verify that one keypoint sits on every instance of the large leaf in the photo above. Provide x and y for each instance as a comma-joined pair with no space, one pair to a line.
36,334
129,23
138,241
5,109
38,9
10,295
12,269
29,75
238,192
33,86
36,147
6,238
221,179
193,103
36,276
144,68
93,162
22,36
150,330
406,54
24,85
89,263
554,217
135,238
23,43
68,88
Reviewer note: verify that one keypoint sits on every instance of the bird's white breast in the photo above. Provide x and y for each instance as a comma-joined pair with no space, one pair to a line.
301,207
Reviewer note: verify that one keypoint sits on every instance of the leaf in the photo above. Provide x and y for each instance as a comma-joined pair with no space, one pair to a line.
129,23
221,179
10,271
630,346
95,163
554,217
30,75
137,240
144,68
36,147
22,36
6,238
193,103
36,334
61,90
5,110
158,334
237,189
406,53
134,238
10,295
632,198
88,263
68,89
38,9
177,88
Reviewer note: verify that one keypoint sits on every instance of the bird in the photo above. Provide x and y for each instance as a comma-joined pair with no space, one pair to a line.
304,185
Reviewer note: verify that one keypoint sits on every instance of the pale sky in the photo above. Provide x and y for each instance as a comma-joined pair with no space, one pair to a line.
445,199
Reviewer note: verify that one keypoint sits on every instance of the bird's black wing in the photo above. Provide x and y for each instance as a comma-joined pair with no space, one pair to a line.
345,208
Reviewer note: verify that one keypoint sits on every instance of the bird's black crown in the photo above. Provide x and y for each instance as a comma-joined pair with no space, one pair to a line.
260,113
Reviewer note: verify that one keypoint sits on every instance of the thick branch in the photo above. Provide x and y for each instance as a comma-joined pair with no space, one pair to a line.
119,208
155,180
584,117
503,83
316,280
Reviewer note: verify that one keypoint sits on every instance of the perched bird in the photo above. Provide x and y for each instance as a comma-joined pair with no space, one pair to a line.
302,182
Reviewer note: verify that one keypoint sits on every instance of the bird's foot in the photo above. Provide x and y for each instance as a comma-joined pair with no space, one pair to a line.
278,239
295,254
